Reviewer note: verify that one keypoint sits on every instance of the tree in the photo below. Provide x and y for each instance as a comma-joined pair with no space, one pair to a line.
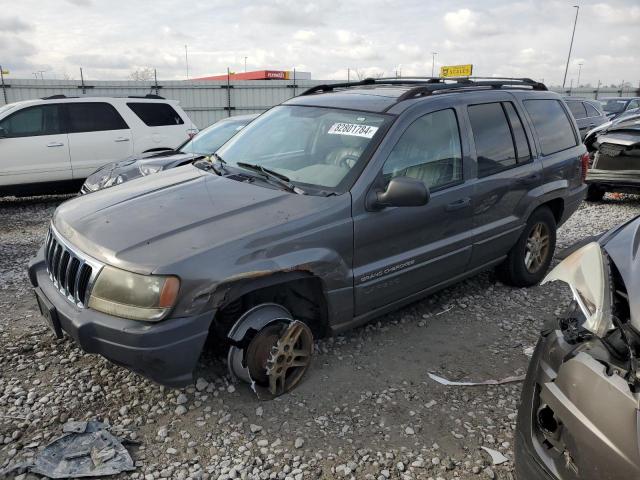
142,74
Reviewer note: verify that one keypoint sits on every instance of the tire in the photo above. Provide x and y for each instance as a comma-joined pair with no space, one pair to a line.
595,193
523,270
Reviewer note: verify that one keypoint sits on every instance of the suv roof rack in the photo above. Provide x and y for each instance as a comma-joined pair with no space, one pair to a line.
424,86
148,95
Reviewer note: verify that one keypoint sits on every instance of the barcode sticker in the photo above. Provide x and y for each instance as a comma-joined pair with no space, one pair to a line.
353,130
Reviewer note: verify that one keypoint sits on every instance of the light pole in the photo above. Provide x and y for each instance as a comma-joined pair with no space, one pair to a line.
575,22
433,62
186,59
245,64
579,71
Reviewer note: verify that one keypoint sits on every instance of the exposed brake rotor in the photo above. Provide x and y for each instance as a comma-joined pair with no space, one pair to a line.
275,360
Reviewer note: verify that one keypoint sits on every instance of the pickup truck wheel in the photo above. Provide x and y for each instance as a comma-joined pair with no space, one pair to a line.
529,259
595,193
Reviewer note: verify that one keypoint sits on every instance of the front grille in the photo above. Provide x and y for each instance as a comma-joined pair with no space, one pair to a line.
70,273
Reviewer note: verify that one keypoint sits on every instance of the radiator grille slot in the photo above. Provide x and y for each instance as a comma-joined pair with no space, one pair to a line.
70,273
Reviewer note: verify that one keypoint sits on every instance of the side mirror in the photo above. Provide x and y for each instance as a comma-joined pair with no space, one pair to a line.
401,192
3,132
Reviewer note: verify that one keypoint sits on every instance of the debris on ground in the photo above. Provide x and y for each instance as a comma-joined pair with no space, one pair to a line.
496,457
444,381
87,449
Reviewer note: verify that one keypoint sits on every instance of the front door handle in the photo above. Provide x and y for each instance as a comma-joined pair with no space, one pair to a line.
55,144
458,204
122,139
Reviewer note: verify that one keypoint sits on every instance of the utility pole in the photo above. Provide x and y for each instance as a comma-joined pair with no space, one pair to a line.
186,60
84,90
245,64
433,62
4,88
575,22
579,72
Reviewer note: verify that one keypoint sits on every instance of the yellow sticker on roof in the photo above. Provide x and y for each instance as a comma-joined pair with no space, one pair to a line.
448,71
352,130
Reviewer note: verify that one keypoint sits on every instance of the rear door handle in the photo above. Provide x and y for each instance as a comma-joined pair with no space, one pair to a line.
458,204
55,144
122,139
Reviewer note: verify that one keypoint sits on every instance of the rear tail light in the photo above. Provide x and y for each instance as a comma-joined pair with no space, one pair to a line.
584,166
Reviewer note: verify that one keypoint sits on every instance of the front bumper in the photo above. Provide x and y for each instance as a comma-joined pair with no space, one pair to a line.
596,416
166,352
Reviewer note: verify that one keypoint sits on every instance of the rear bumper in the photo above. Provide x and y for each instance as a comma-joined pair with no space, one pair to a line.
166,352
611,178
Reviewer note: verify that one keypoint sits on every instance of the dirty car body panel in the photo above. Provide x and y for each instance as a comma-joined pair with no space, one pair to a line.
579,414
224,228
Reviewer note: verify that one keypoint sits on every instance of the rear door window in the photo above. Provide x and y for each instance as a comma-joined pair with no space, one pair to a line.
591,110
494,144
523,151
33,121
94,117
156,114
553,126
577,110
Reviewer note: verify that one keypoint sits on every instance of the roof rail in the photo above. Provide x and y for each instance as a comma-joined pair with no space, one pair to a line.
148,95
55,97
327,87
428,85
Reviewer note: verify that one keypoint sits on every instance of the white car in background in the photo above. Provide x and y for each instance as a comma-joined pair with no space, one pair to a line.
51,145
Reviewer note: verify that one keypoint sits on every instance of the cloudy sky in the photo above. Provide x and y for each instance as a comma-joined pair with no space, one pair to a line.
112,38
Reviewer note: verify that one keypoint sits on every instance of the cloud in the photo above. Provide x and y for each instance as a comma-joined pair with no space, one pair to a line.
466,23
14,25
81,3
304,35
629,15
286,12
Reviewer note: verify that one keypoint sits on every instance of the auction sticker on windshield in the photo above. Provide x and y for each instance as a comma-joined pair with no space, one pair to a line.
352,129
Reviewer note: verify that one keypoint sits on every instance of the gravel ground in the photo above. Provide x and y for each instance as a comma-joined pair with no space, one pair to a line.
366,409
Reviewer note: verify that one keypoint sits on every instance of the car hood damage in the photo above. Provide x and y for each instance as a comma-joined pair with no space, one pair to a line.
140,226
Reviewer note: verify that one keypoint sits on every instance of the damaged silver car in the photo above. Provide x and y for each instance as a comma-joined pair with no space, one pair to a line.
614,151
579,415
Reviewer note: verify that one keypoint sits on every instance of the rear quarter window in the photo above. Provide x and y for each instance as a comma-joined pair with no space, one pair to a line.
591,110
156,114
554,128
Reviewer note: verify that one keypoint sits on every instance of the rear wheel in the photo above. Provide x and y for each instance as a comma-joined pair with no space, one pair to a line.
530,257
595,193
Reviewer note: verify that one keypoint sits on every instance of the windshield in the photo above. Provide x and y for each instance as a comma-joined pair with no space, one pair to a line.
212,138
310,145
613,105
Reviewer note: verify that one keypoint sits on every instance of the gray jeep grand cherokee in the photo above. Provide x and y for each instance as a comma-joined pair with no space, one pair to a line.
335,207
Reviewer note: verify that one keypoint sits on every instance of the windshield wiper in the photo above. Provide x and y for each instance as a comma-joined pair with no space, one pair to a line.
279,178
218,166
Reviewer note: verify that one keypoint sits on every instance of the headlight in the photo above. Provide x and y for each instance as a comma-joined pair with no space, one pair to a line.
130,295
587,273
149,169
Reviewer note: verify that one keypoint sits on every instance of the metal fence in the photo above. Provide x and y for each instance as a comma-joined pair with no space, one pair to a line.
208,101
204,101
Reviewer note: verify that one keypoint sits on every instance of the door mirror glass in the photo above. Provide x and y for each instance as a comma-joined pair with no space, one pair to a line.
402,192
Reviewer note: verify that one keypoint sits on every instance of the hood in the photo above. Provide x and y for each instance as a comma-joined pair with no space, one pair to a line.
623,247
156,221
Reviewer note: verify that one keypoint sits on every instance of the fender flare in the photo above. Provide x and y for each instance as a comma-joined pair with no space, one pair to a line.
256,319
